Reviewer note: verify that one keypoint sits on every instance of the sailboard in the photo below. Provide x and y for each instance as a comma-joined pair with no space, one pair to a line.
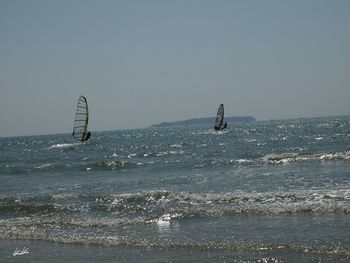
220,118
80,128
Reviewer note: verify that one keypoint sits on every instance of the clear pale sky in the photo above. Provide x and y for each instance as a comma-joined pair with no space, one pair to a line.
143,62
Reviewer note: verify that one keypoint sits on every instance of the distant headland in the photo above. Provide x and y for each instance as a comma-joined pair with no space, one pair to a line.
203,121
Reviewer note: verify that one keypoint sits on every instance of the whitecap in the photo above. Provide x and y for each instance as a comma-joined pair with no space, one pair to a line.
63,145
166,218
176,146
241,161
47,166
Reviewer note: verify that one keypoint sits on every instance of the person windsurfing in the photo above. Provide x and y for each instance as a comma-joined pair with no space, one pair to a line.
224,127
87,137
80,128
219,119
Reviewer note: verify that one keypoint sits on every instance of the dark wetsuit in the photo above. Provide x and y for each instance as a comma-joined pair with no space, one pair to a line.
224,127
86,137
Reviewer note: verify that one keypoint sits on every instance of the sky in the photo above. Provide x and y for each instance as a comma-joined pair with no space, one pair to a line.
144,62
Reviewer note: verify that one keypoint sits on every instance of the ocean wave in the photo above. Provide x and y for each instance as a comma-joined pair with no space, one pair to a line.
104,165
47,166
298,157
241,161
176,157
111,165
86,222
157,206
30,209
34,233
190,204
14,169
166,218
209,132
224,162
65,196
63,145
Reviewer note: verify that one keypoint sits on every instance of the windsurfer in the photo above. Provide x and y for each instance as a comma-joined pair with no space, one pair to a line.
86,137
224,127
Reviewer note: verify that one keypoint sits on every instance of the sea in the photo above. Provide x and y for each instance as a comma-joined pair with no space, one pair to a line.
265,191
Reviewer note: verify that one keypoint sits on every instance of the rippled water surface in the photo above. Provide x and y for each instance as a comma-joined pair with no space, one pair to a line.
275,191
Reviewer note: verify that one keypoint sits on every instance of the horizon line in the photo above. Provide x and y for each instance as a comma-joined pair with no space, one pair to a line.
149,126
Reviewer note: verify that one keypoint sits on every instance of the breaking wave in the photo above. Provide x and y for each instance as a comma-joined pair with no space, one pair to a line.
82,165
32,233
63,145
110,165
48,166
107,220
297,157
165,205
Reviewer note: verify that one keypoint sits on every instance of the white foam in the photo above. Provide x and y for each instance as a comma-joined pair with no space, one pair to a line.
176,146
166,218
132,155
295,157
63,145
47,166
241,161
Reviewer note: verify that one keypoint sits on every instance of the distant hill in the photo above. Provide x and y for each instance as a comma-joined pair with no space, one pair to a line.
203,121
